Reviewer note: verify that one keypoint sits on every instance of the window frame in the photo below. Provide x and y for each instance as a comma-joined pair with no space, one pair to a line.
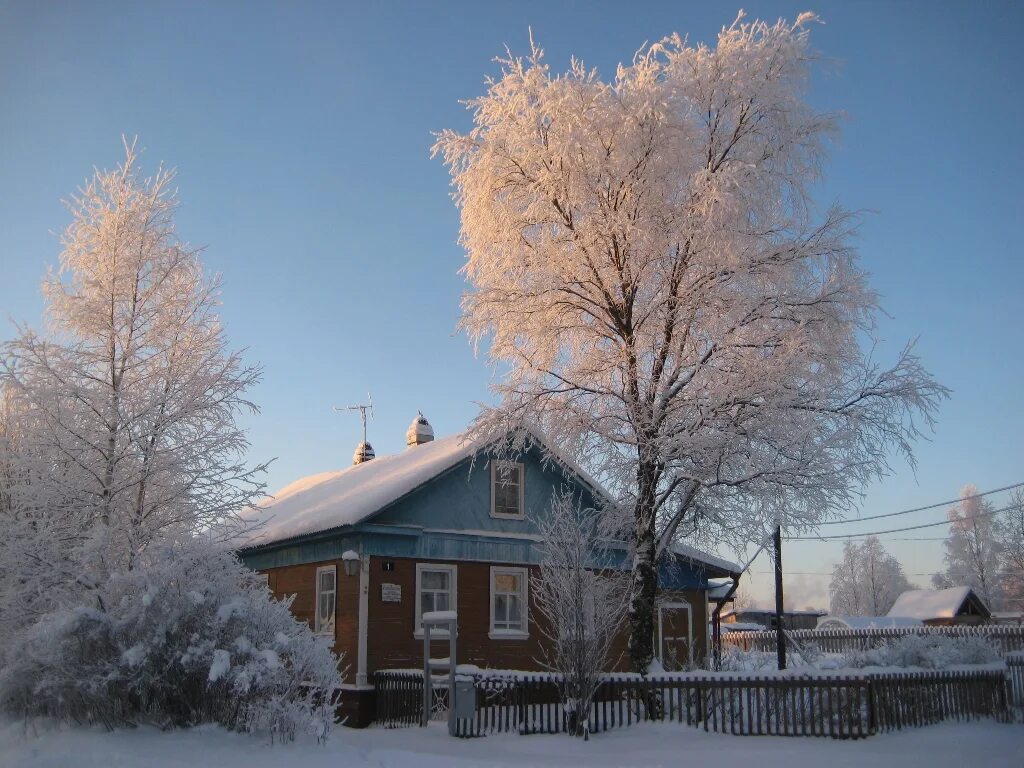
496,464
317,628
524,596
453,590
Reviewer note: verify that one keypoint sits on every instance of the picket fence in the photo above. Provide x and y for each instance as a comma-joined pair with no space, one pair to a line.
1006,639
838,706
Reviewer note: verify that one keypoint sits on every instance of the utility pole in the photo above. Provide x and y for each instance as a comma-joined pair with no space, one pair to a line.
780,637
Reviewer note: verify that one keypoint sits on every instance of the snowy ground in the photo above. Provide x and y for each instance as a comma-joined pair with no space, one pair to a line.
978,745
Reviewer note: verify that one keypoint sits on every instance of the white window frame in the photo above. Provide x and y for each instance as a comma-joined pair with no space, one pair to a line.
495,465
511,634
453,572
317,628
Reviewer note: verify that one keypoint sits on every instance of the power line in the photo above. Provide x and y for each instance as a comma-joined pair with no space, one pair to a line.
896,530
830,573
930,506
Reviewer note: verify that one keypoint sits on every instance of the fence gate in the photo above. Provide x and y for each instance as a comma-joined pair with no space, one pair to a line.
439,620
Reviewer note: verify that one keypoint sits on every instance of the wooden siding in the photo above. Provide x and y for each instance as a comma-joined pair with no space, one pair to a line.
300,580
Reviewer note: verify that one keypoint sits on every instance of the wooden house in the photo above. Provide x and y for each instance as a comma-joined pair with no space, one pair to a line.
444,526
941,607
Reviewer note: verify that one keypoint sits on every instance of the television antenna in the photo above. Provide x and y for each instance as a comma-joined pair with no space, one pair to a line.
363,409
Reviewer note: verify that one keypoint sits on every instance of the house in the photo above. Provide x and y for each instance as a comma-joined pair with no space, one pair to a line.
766,618
941,607
442,526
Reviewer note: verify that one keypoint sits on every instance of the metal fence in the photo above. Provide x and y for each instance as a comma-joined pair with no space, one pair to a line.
837,706
1005,639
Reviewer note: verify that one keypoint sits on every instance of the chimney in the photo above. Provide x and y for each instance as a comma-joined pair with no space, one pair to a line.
364,452
420,431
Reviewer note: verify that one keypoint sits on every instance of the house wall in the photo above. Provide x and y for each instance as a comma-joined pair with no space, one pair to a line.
391,641
300,580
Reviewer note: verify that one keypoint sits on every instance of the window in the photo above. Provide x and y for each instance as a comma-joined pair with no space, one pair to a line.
435,591
508,602
506,489
326,599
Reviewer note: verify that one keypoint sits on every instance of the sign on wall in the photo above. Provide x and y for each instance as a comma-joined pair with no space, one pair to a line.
391,593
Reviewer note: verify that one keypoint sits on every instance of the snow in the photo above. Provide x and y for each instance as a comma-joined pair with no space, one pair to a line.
980,745
431,616
220,666
743,626
929,603
349,496
867,622
692,553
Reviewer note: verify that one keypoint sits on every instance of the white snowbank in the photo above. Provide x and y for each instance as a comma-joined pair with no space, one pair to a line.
980,745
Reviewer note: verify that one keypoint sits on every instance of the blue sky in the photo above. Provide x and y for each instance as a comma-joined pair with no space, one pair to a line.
301,133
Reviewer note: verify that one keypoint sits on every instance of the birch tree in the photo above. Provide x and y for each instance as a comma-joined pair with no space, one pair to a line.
1011,540
581,605
973,550
127,404
867,581
659,293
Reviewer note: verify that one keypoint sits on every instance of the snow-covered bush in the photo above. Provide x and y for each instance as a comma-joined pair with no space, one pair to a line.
190,637
926,651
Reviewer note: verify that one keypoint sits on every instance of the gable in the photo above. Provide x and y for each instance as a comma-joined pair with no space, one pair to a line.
459,499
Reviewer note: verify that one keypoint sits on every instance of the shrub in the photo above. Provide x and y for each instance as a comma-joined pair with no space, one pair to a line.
191,637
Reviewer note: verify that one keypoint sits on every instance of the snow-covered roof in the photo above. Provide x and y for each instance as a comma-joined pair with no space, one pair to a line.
349,496
743,626
930,603
692,553
867,622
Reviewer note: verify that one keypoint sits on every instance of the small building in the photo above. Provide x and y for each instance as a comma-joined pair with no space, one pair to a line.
941,607
444,525
766,618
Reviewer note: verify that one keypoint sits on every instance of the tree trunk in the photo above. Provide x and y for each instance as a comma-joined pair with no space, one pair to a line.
645,573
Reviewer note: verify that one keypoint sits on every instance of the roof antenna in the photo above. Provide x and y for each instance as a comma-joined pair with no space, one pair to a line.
364,451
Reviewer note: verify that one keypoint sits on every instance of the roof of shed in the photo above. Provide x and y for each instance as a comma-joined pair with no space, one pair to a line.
927,604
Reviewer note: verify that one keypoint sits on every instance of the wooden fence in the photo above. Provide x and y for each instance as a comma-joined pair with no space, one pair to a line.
1015,685
838,706
1005,639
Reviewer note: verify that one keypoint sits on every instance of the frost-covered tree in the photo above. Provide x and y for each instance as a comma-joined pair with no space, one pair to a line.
127,407
660,295
192,637
1011,541
973,549
867,581
581,604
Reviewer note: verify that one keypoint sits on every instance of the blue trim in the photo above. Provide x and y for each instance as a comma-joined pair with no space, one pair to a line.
416,543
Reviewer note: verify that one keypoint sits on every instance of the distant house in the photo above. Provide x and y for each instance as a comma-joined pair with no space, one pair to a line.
446,526
941,607
766,618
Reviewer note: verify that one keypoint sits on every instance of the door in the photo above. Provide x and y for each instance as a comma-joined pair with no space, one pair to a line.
675,636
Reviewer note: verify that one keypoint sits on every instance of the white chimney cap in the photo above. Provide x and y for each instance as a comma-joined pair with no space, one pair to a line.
363,452
419,431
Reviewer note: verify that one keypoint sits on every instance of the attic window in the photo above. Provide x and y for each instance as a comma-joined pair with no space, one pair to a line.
507,489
